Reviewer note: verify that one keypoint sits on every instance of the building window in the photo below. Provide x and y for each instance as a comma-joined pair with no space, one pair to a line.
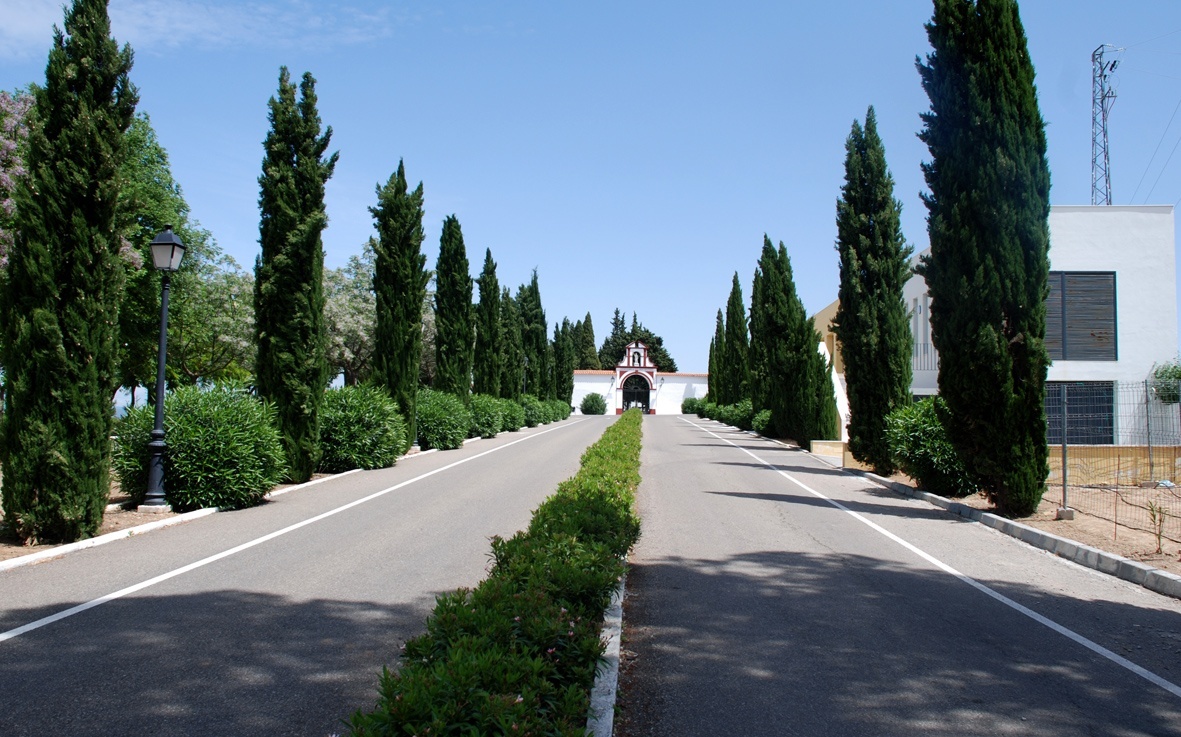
1080,316
1089,410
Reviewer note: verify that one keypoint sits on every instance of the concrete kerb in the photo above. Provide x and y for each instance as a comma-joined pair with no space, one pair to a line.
1142,574
600,721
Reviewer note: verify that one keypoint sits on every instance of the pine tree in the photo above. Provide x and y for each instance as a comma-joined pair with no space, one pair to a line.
65,279
588,357
454,339
400,277
872,320
512,351
292,365
735,349
486,368
987,271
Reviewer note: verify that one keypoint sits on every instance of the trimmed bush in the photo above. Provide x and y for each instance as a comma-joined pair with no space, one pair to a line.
443,421
558,410
920,446
486,418
360,428
534,412
512,416
593,404
707,410
222,449
761,422
517,655
689,405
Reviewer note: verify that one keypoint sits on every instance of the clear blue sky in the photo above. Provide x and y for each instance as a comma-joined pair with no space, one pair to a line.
633,152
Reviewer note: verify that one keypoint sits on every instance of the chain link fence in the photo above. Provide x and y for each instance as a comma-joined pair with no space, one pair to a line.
1115,452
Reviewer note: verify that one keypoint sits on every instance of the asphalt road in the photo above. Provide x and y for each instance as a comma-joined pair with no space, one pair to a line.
280,635
758,607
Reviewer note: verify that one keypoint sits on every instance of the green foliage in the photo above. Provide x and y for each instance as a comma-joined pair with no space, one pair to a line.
584,345
534,412
291,368
707,410
593,404
486,415
872,320
443,421
716,346
60,311
616,343
534,340
486,368
454,329
222,449
558,410
564,361
761,422
350,308
518,653
921,448
987,272
1166,381
512,415
512,352
399,284
360,428
739,415
826,424
689,405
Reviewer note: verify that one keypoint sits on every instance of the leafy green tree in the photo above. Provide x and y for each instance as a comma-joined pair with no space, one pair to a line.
512,351
60,309
292,365
616,344
399,284
455,336
350,316
486,369
987,271
872,320
588,357
735,365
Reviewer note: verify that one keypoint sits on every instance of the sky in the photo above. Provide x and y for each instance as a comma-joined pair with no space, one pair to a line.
634,153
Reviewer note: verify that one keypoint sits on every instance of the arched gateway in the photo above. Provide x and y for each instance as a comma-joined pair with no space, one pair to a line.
634,382
635,379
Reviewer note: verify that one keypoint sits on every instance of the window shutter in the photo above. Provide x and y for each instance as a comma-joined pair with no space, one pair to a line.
1090,320
1054,318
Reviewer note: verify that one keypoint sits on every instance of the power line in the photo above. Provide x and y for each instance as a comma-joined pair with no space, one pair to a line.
1154,151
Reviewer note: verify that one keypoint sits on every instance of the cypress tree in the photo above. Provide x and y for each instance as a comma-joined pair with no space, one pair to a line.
826,420
292,364
872,320
564,357
453,314
735,349
714,381
486,361
987,271
512,351
534,339
61,303
760,380
615,343
588,357
400,277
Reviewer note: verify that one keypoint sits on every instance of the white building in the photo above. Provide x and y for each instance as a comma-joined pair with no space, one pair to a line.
1111,313
635,382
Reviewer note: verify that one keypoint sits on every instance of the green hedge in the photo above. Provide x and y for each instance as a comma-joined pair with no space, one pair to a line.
534,413
593,404
689,405
486,416
512,416
360,428
920,447
443,421
222,449
557,410
517,654
761,422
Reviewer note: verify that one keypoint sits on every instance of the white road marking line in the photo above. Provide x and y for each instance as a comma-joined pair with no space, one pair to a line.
23,629
1068,633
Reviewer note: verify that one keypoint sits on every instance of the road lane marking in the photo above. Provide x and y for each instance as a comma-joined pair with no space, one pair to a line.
38,624
1060,629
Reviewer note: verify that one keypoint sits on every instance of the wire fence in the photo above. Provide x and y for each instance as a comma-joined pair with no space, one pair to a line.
1121,451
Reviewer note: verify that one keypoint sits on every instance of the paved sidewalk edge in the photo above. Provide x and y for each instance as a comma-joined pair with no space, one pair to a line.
600,721
1153,579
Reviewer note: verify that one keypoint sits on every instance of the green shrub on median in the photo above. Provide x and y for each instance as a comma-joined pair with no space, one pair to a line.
443,421
512,416
222,449
360,428
486,417
517,654
534,413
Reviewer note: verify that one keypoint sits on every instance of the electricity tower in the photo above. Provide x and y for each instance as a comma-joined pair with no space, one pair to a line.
1102,98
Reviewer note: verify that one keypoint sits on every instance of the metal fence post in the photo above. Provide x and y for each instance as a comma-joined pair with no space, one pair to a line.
1148,428
1062,401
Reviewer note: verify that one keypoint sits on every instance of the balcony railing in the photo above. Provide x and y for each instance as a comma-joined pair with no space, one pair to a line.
924,357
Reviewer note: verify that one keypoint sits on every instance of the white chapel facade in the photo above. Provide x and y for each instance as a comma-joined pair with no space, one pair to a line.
635,382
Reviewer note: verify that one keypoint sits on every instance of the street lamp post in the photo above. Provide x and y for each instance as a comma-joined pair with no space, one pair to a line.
167,252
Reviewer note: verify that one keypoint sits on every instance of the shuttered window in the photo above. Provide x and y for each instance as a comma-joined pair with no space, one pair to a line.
1080,316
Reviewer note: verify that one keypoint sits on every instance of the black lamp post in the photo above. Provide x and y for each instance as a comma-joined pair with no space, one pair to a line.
167,251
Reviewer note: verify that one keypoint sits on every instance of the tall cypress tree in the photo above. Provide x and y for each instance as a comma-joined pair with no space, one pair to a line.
453,314
714,388
564,357
615,343
61,305
486,361
512,351
534,339
588,356
735,349
400,277
872,320
987,272
292,365
760,383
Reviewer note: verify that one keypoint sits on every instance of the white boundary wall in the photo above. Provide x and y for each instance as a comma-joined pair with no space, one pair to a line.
671,390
